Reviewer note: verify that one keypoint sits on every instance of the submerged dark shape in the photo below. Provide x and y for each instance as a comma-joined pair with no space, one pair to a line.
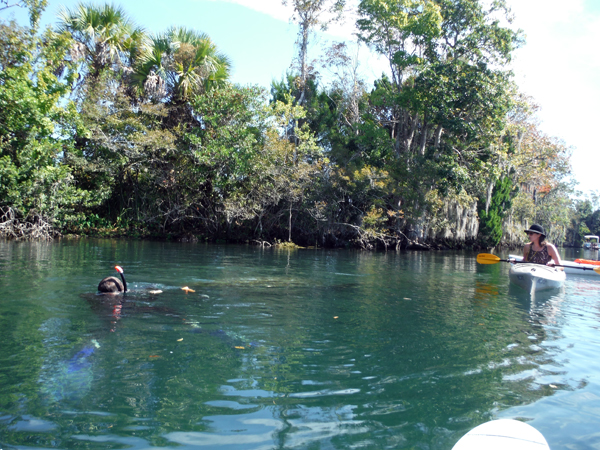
69,381
79,361
113,284
230,339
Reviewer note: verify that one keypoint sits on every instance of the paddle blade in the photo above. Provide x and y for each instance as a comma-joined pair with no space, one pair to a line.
487,258
597,270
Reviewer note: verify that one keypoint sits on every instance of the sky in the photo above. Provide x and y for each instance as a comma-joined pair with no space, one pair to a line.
559,65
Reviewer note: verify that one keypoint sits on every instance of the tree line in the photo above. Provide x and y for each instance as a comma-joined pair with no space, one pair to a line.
109,129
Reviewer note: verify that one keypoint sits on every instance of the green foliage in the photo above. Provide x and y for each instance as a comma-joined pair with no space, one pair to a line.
554,211
593,222
34,118
233,120
177,65
125,153
104,37
585,218
583,231
445,105
491,220
284,177
36,7
394,25
108,130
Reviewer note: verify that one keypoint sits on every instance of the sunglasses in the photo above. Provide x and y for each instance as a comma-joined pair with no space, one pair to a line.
529,233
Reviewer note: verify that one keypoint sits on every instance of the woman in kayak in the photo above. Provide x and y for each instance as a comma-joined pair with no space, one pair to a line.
538,250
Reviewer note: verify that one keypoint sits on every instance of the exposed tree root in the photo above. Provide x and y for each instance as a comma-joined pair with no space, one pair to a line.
33,228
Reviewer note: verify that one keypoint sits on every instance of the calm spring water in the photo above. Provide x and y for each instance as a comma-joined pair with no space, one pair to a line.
307,349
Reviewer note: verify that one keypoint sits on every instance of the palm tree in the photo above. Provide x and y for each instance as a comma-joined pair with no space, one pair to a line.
103,36
178,64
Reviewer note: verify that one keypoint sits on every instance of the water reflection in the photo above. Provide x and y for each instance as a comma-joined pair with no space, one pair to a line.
278,349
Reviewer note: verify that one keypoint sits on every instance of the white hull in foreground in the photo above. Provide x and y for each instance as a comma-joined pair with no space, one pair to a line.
536,277
502,434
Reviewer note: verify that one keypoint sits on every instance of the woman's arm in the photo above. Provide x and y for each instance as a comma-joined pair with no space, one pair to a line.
554,255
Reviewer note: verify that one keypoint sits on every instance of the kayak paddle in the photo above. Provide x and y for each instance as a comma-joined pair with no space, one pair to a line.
488,258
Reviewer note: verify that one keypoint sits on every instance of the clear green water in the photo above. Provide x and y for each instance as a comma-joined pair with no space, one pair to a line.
310,349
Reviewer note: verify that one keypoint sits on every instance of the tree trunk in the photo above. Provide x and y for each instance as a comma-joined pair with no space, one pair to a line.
424,139
290,225
305,27
438,136
488,199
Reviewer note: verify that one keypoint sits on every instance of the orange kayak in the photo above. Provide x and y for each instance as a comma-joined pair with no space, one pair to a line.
588,261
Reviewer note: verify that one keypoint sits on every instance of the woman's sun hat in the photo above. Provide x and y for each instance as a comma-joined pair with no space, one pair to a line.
535,228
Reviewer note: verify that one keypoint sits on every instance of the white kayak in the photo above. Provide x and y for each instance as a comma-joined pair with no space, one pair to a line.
501,435
571,267
536,277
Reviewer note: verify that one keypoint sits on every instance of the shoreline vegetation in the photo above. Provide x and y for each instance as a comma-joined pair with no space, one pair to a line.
110,130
